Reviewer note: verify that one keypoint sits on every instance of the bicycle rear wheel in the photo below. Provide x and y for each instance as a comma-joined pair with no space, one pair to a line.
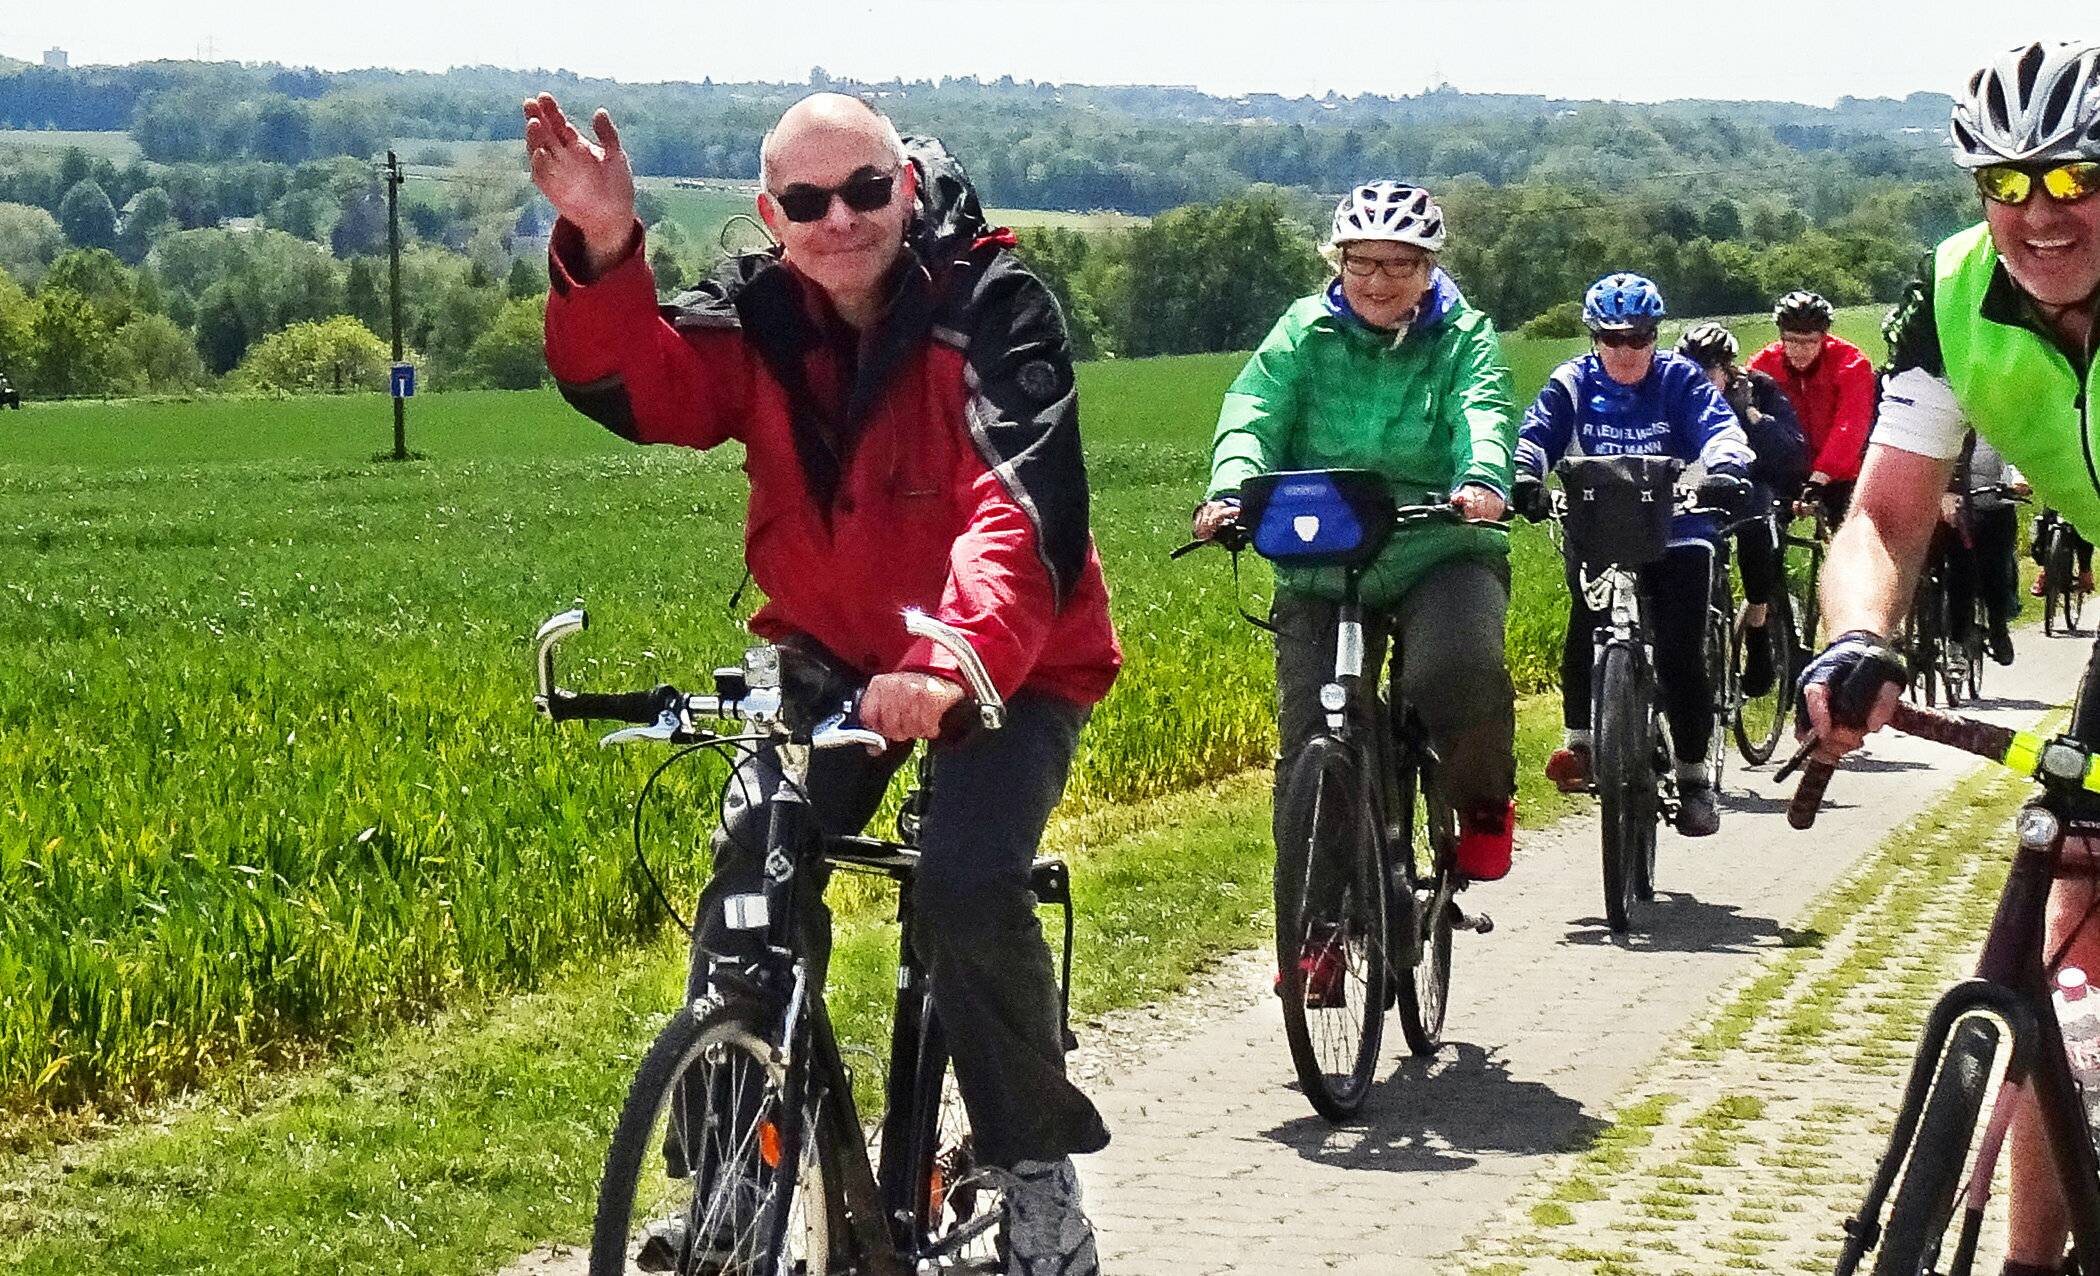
1624,754
1424,864
1331,926
1925,1197
733,1120
1761,720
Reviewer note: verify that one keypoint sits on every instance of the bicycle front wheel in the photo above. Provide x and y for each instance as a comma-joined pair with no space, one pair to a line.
716,1145
1925,1198
1727,694
954,1201
1423,883
2061,568
1623,745
1330,926
1953,662
1761,720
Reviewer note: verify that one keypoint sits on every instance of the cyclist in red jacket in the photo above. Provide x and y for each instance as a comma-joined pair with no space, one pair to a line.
1830,382
902,390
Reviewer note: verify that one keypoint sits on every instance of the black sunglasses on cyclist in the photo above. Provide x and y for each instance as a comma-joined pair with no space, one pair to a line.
1633,339
864,192
2015,185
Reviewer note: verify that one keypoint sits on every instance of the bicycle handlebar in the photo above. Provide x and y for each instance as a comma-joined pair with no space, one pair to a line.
666,714
1234,536
2058,760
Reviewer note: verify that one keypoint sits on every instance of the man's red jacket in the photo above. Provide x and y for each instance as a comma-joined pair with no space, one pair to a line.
1834,399
932,461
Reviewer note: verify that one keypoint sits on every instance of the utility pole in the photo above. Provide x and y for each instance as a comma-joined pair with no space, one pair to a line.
393,248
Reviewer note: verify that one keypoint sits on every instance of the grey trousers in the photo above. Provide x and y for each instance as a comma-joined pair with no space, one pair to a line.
974,919
1452,668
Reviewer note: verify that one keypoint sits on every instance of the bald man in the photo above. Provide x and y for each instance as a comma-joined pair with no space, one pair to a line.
902,388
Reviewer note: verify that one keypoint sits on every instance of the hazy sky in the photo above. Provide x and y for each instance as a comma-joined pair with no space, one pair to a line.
1793,49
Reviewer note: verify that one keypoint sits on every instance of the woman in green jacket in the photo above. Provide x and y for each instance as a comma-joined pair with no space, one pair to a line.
1388,368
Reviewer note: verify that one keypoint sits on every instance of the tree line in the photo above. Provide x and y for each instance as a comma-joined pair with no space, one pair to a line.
1136,149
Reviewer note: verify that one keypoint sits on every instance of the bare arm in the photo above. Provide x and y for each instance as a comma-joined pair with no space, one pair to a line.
1873,569
1874,560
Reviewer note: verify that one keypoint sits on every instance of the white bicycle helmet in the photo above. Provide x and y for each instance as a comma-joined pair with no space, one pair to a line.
2038,104
1391,211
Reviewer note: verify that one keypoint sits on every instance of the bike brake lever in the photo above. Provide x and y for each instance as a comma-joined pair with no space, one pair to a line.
667,729
833,733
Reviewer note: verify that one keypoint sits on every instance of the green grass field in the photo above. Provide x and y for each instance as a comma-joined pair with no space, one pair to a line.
267,769
116,147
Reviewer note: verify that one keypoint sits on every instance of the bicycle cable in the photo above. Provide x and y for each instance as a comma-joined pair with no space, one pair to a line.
724,746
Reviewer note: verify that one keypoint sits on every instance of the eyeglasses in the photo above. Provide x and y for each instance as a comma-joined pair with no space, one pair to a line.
1390,267
864,192
1634,340
2011,184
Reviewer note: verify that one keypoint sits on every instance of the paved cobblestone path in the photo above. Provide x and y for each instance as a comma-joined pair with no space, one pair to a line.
1706,1095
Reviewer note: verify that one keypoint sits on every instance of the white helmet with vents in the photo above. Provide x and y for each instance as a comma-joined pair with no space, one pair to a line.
2034,105
1391,211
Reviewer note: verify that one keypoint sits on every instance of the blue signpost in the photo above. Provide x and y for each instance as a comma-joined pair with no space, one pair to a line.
404,380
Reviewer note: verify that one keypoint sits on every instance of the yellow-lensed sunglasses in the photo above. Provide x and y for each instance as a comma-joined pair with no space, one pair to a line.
2012,184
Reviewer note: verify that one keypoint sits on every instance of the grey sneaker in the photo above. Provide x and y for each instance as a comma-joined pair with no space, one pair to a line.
1697,815
1045,1231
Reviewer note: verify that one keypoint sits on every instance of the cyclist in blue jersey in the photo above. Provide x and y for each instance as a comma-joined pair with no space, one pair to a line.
1626,399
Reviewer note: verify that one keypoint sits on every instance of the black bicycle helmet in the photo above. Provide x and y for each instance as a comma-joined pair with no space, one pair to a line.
1802,311
1710,345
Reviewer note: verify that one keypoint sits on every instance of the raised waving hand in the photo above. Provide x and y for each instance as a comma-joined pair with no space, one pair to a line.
590,183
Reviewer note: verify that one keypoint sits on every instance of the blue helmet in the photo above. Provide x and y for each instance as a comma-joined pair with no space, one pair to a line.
1622,301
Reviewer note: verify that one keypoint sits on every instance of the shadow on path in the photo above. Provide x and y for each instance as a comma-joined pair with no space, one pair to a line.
1750,803
1676,922
1443,1113
2012,704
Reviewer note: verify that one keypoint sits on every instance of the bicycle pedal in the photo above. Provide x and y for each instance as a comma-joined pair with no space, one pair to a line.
1478,923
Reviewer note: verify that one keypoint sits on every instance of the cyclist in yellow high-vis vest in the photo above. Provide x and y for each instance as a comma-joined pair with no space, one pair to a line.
2001,334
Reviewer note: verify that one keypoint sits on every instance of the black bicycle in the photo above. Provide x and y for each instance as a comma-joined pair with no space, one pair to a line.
1615,513
1936,1166
2056,547
741,1124
1366,840
1931,641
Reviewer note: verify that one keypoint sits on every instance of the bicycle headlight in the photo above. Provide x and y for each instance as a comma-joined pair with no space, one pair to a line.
2038,828
1332,698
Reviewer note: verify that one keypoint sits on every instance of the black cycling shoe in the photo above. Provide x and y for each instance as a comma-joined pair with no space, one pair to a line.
1697,816
2001,644
1757,661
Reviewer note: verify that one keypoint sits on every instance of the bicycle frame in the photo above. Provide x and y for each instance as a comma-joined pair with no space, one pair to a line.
1391,738
884,1199
2011,985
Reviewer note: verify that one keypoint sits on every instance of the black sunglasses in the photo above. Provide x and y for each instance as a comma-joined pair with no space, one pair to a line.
864,192
1626,340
